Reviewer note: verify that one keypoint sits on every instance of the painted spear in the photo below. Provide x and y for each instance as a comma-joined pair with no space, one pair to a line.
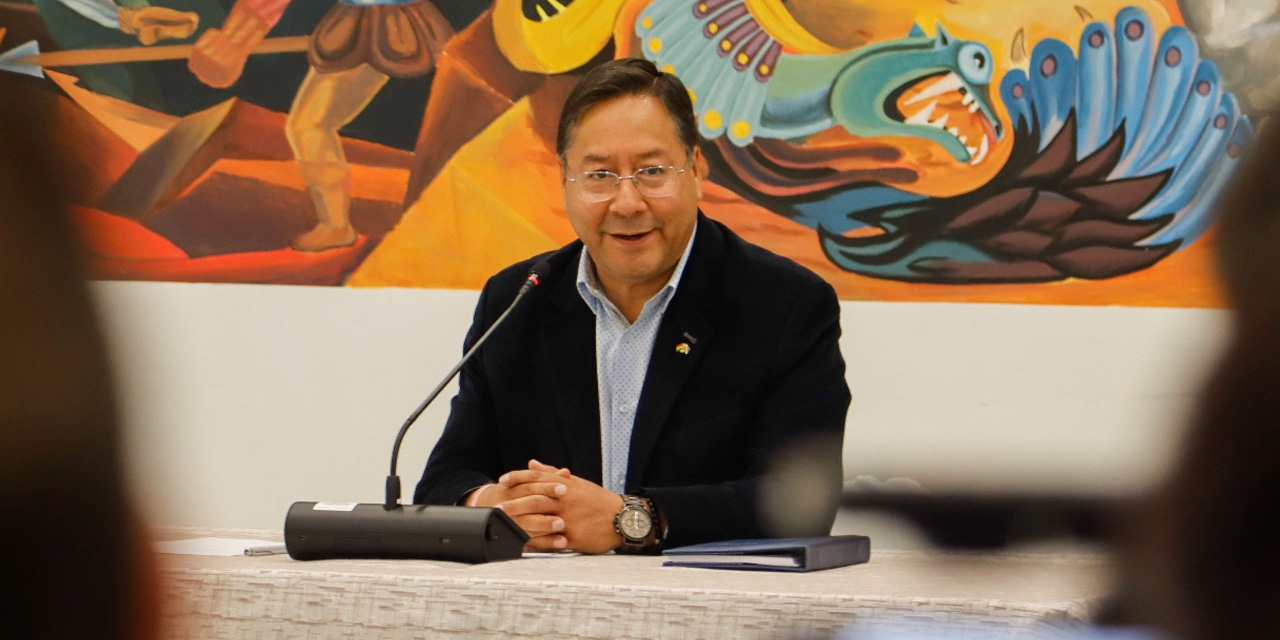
26,58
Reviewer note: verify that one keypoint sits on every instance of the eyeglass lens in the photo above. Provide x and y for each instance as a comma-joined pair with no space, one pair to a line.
598,186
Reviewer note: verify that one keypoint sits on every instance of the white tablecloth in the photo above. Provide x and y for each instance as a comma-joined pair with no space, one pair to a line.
615,596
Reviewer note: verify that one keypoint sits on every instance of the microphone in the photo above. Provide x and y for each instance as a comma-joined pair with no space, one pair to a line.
324,530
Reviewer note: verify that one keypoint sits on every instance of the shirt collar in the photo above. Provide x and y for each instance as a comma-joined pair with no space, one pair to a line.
593,294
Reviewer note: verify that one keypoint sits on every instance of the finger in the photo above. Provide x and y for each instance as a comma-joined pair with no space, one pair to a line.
549,489
534,465
527,505
513,478
540,525
547,543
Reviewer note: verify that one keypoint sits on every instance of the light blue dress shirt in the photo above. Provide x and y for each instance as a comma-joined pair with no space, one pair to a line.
622,359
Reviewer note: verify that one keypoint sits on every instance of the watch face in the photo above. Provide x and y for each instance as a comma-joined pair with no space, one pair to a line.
635,523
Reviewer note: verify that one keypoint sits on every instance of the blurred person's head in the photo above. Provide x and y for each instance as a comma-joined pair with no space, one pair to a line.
74,562
1209,563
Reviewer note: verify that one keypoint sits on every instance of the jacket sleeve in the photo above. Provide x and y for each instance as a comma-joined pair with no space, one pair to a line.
793,444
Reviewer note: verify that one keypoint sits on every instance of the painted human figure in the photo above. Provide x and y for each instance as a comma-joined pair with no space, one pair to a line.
356,47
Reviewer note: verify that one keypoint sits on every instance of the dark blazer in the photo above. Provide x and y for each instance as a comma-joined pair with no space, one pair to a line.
763,372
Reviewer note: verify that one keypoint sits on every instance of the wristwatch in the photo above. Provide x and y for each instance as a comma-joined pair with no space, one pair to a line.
634,523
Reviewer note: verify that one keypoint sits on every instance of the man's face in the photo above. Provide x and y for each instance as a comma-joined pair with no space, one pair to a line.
634,240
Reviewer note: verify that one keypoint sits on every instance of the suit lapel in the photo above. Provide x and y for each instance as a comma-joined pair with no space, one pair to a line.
684,335
569,353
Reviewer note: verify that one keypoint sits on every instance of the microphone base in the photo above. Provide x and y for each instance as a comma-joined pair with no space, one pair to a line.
417,532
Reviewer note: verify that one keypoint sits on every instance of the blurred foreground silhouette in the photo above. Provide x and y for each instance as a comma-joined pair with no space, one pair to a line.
75,561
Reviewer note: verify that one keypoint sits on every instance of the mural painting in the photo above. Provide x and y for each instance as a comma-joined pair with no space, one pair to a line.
931,150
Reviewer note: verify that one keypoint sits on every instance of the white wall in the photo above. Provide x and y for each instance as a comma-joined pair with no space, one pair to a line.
239,400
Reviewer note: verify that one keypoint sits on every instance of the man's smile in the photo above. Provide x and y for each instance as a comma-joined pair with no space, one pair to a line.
631,238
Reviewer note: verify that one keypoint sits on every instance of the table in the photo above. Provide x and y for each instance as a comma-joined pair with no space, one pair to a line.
614,596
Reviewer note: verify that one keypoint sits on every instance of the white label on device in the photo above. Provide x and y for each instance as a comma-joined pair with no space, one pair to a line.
335,506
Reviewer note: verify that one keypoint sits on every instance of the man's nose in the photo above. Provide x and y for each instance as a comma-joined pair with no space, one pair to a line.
628,199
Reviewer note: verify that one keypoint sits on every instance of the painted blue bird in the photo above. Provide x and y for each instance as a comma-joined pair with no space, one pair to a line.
1119,152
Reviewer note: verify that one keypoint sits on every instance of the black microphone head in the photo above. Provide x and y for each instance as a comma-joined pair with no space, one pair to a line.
538,272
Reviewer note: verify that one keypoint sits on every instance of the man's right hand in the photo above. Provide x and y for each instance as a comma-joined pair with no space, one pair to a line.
219,55
531,505
586,509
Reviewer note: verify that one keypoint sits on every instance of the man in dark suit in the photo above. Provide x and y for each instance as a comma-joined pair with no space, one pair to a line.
645,392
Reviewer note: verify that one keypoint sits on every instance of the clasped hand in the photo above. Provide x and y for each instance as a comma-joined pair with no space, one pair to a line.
559,511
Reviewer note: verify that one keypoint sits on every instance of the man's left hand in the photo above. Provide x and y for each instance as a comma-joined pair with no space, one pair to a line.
587,508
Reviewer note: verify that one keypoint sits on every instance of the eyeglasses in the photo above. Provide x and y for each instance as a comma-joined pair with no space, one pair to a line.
657,181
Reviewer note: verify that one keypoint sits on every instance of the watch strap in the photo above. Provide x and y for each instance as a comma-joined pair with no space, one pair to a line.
632,503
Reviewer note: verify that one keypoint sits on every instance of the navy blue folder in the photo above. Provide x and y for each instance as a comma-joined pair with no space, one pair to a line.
773,554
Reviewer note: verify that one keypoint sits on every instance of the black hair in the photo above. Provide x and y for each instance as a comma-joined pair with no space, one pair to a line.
628,77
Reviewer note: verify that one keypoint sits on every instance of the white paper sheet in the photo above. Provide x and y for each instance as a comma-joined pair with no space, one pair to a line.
210,546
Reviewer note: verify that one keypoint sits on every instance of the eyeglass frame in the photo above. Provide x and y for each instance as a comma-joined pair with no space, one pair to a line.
617,180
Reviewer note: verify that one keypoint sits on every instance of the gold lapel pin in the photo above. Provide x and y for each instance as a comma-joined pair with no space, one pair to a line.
683,348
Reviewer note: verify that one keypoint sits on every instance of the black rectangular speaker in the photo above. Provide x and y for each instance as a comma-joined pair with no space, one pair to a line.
319,531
